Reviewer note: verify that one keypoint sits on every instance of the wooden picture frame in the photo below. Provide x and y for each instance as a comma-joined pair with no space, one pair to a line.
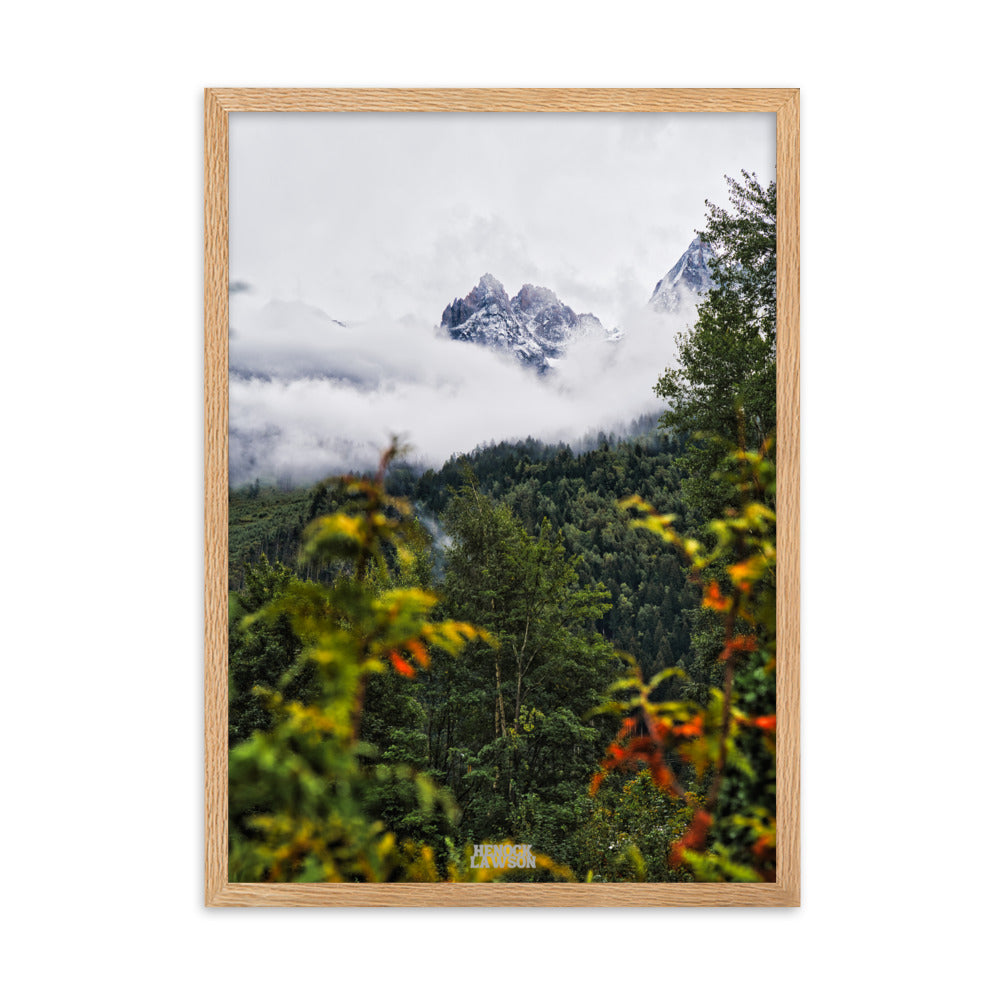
784,103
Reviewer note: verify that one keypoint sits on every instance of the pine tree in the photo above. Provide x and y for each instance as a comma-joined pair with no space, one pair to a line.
722,394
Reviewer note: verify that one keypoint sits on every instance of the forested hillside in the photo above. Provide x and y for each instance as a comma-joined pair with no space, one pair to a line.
577,494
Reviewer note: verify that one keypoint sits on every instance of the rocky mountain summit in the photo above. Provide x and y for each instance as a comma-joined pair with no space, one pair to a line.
687,281
534,326
537,328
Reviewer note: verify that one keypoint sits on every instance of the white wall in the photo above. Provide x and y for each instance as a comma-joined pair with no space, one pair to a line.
101,183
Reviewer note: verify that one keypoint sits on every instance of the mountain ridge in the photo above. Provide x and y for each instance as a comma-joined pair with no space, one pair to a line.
535,326
687,281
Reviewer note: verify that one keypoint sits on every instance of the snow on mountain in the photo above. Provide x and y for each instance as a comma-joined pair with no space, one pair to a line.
534,326
687,281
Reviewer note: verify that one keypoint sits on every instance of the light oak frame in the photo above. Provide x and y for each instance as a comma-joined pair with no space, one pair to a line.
784,103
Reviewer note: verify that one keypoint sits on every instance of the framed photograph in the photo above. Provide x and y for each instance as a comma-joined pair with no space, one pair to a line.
501,497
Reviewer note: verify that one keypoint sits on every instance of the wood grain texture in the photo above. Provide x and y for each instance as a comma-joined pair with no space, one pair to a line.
787,507
627,100
496,894
218,103
216,495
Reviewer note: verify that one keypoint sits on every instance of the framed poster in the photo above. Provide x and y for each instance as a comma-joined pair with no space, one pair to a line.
501,459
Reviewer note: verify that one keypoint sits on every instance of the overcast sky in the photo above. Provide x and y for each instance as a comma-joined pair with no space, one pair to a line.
392,215
381,220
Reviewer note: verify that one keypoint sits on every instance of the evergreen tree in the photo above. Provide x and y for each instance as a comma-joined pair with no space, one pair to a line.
513,742
722,394
260,653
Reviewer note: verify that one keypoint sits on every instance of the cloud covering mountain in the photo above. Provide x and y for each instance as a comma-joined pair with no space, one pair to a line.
310,397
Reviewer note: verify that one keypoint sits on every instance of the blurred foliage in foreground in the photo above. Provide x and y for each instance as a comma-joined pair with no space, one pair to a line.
300,785
729,738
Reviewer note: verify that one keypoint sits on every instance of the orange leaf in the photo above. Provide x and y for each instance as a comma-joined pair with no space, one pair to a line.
419,651
738,644
401,665
713,598
692,728
693,839
742,571
768,722
662,776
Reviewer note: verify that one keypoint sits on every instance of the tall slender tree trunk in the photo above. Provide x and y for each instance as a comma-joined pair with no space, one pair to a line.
499,715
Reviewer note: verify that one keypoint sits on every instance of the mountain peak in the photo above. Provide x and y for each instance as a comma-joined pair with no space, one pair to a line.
488,290
489,285
532,299
535,327
687,281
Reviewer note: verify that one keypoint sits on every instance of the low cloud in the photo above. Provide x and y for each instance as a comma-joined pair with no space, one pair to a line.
310,397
